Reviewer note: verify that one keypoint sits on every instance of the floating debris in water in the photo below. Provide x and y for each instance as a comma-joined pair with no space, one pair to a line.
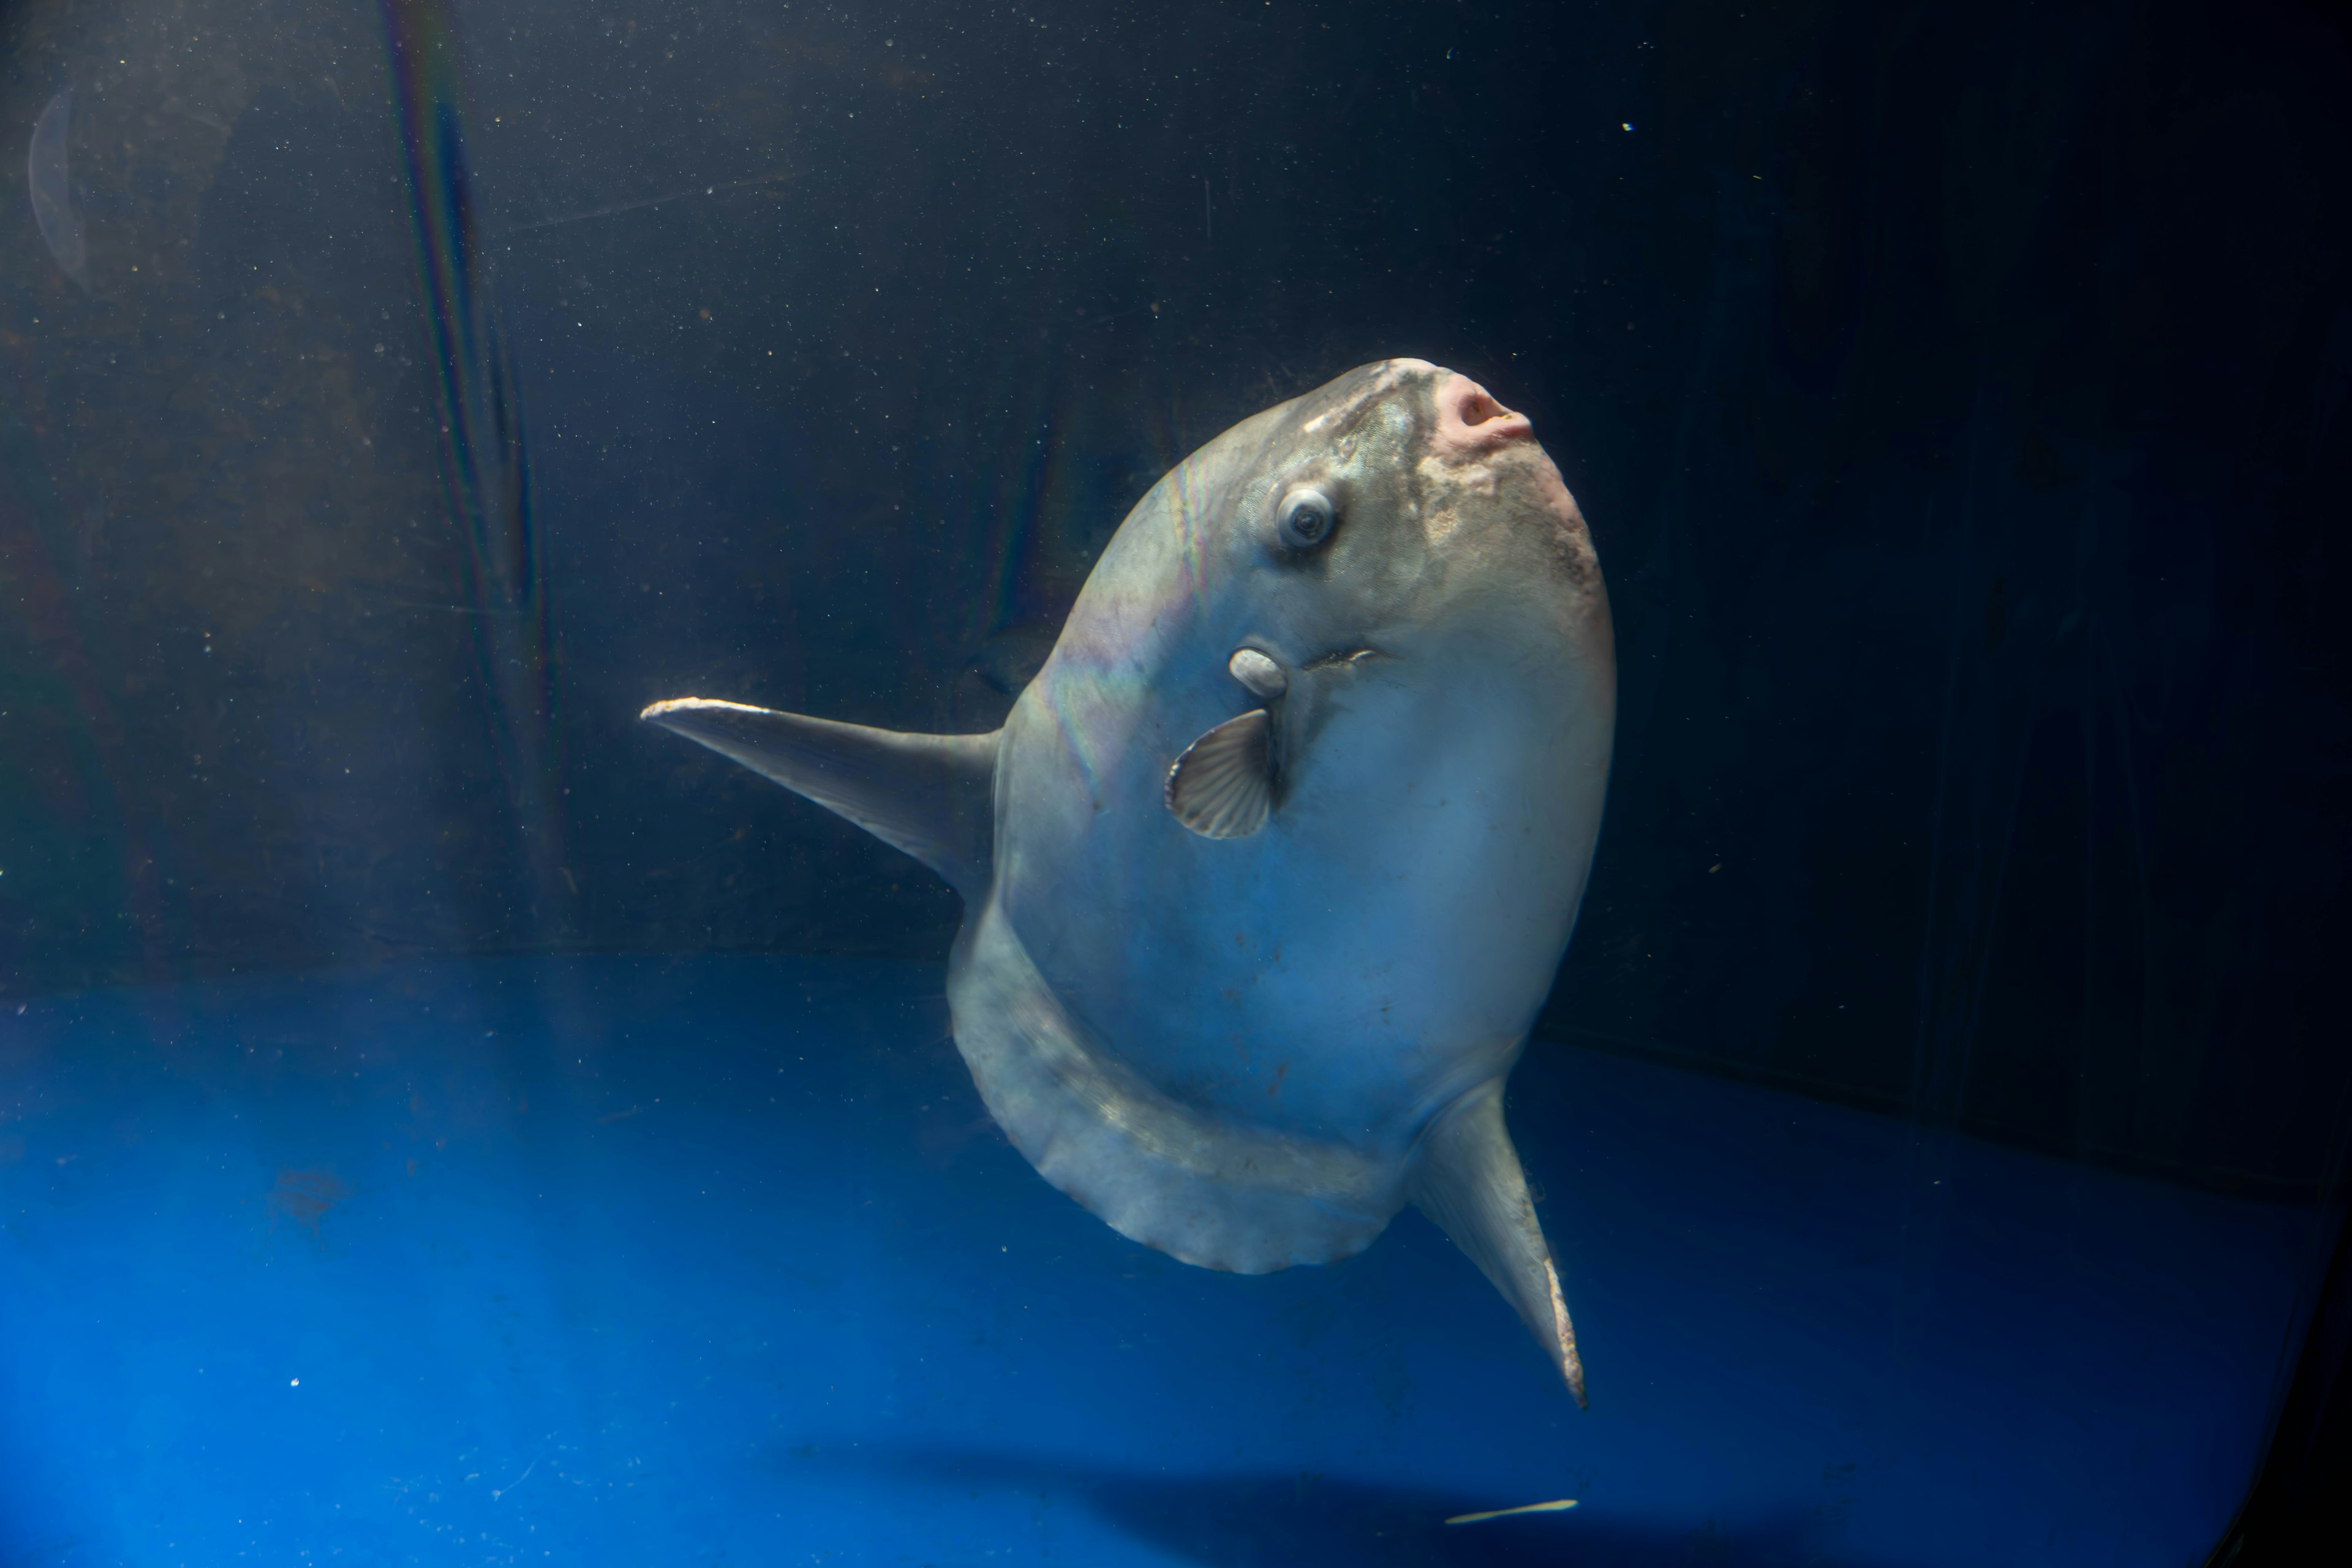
1558,1505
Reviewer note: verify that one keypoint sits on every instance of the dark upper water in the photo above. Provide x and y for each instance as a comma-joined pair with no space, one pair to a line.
444,1119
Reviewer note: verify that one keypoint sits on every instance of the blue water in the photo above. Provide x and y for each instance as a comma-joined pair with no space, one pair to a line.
627,1260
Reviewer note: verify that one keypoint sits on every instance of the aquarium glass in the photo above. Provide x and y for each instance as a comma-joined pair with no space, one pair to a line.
445,1118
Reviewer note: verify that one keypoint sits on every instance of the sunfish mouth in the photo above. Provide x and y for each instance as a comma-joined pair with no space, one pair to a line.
1343,657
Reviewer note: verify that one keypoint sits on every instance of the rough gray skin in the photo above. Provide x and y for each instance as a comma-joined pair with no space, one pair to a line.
1269,870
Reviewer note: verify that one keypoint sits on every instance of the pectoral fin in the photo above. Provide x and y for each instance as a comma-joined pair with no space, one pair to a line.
1223,786
930,795
1469,1180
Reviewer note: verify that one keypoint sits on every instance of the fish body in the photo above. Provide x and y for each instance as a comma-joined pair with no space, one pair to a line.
1271,866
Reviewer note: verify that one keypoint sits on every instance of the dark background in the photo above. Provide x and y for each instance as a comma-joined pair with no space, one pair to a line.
1957,393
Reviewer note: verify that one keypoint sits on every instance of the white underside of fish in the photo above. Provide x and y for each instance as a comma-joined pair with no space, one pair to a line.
1157,1172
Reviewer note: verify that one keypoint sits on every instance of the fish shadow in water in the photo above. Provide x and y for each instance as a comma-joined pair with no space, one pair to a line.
1262,1519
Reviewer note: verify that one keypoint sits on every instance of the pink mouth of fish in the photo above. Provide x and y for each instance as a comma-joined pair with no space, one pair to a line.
1471,422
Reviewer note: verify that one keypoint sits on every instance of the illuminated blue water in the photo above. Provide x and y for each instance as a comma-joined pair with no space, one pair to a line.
648,1261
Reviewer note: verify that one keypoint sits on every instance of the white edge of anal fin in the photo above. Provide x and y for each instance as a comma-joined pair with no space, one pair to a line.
1467,1179
929,795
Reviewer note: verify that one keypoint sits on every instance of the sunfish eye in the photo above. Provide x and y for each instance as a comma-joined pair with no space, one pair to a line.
1306,517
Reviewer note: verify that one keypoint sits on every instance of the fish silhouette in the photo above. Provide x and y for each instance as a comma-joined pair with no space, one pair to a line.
1270,867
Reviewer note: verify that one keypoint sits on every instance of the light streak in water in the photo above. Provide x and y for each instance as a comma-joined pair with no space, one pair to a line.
485,461
48,178
618,207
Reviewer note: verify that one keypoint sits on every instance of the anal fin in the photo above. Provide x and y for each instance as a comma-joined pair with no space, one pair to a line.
1469,1180
930,795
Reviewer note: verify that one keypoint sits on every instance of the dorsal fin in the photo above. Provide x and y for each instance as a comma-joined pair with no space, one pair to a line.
930,795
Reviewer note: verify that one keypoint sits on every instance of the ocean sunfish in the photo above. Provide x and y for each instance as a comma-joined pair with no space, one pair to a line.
1268,871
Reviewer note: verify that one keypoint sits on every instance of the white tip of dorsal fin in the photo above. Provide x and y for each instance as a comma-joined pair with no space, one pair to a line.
930,795
1223,786
1467,1179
